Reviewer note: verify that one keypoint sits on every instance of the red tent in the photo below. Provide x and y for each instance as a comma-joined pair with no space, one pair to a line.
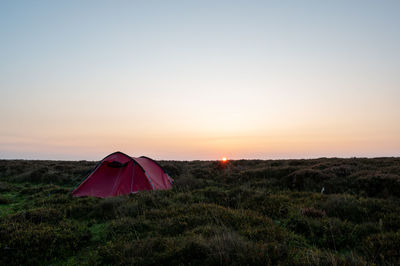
120,174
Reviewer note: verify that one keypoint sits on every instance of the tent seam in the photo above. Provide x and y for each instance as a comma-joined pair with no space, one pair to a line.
148,177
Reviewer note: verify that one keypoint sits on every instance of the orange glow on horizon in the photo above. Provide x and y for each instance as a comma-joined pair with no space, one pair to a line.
224,159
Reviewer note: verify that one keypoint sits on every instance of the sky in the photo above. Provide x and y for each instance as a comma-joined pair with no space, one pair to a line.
189,80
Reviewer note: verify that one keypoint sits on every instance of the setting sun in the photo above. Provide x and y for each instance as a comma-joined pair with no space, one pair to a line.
138,104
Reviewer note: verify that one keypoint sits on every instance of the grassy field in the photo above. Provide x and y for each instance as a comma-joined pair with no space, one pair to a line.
247,212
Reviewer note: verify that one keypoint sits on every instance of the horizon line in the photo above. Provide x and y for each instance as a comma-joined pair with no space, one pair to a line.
229,159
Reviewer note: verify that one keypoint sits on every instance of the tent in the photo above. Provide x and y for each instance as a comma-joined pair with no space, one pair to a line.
120,174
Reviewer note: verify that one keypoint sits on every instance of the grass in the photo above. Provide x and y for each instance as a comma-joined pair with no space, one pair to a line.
246,212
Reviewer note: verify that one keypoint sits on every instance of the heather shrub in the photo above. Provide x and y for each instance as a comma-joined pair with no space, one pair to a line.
224,248
249,212
172,169
4,200
361,231
391,221
383,248
152,251
202,173
37,216
37,175
321,257
187,181
58,199
4,187
130,208
307,179
81,208
129,228
215,195
30,243
238,196
312,212
324,233
345,207
341,171
44,190
107,208
268,173
273,206
377,184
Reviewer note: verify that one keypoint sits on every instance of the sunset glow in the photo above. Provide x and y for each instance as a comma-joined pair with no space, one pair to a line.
224,159
185,80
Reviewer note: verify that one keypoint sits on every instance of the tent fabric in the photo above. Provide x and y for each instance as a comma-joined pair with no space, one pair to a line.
119,174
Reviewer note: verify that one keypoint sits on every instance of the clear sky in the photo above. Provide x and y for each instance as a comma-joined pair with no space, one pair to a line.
199,79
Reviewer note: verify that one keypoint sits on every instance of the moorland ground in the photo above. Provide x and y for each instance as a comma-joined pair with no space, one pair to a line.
245,212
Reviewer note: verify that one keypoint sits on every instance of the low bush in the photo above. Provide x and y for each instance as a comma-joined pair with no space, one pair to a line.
81,208
152,251
249,212
129,228
107,208
312,212
173,168
274,206
224,248
187,181
391,222
4,200
383,248
37,216
4,187
345,207
37,175
321,257
307,179
325,233
29,243
270,172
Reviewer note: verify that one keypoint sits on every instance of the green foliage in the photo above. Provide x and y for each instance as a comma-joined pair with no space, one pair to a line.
32,243
4,187
312,212
4,200
241,213
320,257
37,216
344,207
222,248
310,179
383,248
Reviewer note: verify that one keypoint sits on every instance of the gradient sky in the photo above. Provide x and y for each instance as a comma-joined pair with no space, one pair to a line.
199,79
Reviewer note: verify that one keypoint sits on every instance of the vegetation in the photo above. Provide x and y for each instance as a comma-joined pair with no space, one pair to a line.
244,212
